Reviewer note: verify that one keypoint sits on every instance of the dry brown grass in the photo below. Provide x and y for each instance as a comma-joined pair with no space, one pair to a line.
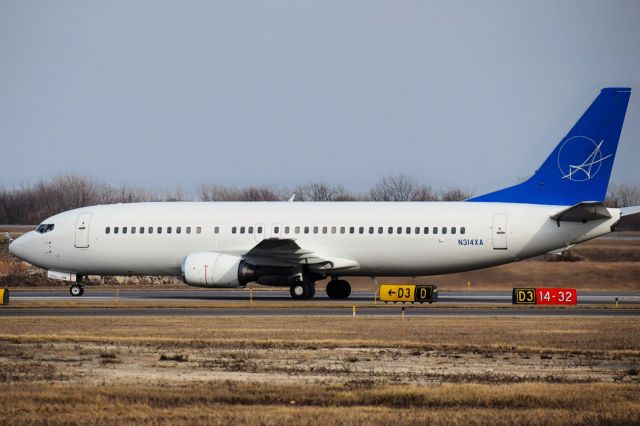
530,334
252,404
306,370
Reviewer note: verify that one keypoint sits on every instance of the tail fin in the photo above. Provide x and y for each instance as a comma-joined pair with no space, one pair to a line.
579,168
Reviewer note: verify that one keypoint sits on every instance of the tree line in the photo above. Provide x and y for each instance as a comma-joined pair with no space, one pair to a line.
32,203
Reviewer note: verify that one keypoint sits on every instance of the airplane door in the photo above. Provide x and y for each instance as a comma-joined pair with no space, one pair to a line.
259,234
500,231
82,230
276,230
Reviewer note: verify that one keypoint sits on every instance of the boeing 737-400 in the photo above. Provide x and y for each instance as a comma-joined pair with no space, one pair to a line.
295,244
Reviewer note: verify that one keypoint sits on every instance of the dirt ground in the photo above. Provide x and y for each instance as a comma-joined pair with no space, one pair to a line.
305,370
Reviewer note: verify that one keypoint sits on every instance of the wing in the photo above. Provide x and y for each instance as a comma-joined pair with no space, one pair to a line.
286,252
583,212
628,211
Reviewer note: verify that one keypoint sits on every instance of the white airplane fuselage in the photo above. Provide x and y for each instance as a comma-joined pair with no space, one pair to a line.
358,238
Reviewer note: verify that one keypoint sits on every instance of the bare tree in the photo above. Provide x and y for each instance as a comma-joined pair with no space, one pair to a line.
398,187
623,196
454,194
319,191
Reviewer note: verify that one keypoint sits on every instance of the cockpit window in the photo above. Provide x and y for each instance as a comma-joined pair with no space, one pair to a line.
44,228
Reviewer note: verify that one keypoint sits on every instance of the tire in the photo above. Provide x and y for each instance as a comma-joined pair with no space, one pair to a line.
76,290
338,289
302,290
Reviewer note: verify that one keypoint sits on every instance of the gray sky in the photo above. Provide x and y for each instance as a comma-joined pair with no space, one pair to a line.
160,94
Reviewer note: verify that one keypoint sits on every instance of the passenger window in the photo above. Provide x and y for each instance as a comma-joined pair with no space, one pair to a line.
133,229
352,230
417,229
399,230
286,229
306,229
371,229
453,229
189,230
242,229
276,230
380,229
233,229
124,229
343,229
259,229
159,229
324,229
435,229
315,229
168,229
426,229
462,230
250,231
198,230
115,230
107,230
216,230
178,229
444,229
142,229
333,229
408,229
297,229
390,230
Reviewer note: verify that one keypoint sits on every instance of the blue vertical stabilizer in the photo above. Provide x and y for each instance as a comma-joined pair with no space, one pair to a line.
579,168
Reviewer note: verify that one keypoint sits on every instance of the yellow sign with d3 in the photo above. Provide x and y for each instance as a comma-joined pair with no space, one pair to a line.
397,292
408,293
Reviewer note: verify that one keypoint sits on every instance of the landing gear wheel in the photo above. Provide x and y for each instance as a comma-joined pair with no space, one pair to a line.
76,290
338,289
302,290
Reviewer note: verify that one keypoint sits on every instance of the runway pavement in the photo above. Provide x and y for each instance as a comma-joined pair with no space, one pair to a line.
463,304
461,297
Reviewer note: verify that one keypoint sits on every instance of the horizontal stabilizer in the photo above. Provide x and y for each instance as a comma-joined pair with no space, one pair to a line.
628,211
583,212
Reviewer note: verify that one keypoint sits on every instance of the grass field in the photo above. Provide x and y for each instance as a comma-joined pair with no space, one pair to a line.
306,370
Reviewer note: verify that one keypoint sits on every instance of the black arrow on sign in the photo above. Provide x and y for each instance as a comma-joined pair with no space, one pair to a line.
391,292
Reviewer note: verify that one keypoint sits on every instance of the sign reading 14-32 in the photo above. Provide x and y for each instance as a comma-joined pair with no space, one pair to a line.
544,296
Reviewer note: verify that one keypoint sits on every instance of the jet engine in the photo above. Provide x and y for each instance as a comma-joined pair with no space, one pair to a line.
208,269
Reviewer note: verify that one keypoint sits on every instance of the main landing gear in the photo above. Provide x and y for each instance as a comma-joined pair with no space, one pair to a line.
338,289
304,289
76,289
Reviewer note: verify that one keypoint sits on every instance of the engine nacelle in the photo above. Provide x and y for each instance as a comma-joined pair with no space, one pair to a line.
208,269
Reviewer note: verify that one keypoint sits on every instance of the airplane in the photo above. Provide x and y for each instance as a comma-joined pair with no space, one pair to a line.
295,244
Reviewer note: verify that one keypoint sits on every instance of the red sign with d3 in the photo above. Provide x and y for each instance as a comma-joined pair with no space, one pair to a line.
544,296
556,296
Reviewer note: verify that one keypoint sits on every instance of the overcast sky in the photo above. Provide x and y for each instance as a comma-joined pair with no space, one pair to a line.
164,94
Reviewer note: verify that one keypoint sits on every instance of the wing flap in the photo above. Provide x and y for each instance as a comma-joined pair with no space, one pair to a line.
286,252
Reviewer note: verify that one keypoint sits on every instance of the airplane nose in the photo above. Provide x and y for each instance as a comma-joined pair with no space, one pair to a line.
16,248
